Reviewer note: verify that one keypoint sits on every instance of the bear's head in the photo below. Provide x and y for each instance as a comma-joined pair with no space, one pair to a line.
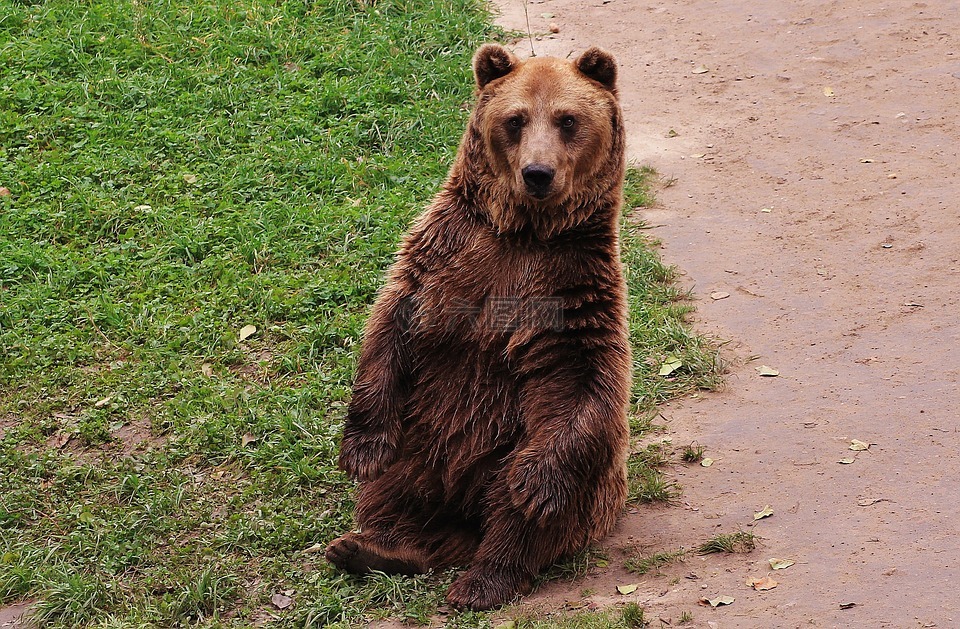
550,134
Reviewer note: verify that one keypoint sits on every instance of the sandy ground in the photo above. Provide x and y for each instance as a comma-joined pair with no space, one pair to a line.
816,167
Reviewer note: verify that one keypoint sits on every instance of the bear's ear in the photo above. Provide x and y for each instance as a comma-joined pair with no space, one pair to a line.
492,61
600,66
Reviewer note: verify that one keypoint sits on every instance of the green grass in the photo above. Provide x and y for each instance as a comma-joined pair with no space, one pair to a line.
179,171
739,542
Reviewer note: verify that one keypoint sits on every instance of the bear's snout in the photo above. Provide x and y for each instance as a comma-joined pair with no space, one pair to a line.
538,179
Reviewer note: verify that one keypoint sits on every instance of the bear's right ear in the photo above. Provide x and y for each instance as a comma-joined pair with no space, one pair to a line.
492,61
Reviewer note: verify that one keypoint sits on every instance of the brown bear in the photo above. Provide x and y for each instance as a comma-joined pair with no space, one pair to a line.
488,420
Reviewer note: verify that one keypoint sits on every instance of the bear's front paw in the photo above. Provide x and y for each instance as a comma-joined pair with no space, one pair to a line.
480,588
538,488
365,457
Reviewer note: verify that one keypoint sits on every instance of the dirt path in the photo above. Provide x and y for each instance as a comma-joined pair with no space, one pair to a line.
816,165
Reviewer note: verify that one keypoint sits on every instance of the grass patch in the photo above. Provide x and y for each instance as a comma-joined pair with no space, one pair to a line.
693,453
739,542
178,172
650,563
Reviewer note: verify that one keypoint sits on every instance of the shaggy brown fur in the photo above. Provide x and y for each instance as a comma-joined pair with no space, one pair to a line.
488,420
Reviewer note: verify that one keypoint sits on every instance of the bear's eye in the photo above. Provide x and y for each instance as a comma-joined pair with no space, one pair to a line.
514,122
568,122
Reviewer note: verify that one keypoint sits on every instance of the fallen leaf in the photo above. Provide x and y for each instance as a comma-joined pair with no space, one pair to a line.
715,602
103,402
866,502
546,16
891,175
718,294
190,178
781,564
846,461
866,160
316,548
700,70
670,364
627,589
768,372
247,439
5,191
697,155
509,624
847,605
672,133
828,91
207,370
281,601
246,332
142,208
766,210
706,462
766,512
857,445
763,583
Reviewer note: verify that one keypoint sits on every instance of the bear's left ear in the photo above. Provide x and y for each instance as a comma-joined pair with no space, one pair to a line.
600,66
492,61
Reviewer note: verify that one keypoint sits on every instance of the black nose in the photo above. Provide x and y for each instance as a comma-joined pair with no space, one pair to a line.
538,178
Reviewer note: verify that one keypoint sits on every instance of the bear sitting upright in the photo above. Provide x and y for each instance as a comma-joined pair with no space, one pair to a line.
488,421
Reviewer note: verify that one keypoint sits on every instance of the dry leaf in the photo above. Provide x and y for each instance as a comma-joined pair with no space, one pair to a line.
700,70
781,564
697,155
546,16
247,439
316,548
766,210
207,370
246,332
706,462
103,402
846,461
143,208
766,512
5,191
627,589
866,160
509,624
715,602
847,605
828,91
190,178
856,445
281,601
768,372
763,583
670,364
719,294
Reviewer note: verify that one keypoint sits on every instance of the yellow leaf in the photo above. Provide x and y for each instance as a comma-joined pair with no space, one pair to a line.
768,372
246,332
627,589
857,445
700,70
670,364
846,461
828,91
706,462
247,439
781,564
766,512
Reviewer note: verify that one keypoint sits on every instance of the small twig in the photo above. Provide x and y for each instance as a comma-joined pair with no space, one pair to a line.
526,15
99,331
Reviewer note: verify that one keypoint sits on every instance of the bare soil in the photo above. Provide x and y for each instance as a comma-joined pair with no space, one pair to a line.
814,148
